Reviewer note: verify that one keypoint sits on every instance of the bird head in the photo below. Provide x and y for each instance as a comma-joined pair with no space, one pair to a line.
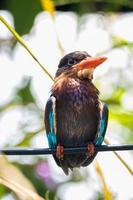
78,64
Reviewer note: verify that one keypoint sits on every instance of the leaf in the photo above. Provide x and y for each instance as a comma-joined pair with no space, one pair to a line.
26,140
22,96
24,93
116,96
2,191
120,42
30,171
86,6
24,21
22,192
123,117
12,178
24,13
47,195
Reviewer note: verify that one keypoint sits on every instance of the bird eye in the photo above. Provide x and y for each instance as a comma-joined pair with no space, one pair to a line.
71,62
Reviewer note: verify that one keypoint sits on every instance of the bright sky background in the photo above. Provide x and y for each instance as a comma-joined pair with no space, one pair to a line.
92,37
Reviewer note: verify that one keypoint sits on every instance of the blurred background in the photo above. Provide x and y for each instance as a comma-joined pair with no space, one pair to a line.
52,29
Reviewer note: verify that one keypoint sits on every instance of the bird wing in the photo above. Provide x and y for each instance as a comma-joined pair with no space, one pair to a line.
51,130
102,124
50,121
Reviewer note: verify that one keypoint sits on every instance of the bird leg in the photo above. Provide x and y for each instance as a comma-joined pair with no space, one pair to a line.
91,149
59,152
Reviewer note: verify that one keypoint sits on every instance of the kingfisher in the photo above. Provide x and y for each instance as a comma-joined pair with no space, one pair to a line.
74,115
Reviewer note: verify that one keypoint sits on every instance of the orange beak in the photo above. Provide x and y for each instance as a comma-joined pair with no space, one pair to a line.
90,62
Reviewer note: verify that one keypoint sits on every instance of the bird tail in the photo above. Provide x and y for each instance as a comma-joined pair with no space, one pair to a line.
71,161
88,160
63,164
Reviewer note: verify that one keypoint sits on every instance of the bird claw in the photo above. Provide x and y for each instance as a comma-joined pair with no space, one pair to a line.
91,149
59,152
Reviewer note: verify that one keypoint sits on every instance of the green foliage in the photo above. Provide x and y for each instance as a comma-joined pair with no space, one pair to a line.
116,96
3,190
125,119
118,114
120,42
99,196
24,13
24,94
29,172
27,138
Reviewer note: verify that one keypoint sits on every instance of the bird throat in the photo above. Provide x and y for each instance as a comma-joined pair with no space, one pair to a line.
86,73
76,90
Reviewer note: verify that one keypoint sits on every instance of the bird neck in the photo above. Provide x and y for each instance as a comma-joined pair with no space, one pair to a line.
75,85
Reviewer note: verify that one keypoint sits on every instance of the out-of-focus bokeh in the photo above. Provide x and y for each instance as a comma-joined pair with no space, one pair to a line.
52,29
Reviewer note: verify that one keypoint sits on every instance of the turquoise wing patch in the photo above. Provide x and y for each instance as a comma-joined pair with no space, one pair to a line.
50,114
102,125
51,135
52,141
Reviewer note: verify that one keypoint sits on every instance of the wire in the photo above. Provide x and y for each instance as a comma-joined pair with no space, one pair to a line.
74,150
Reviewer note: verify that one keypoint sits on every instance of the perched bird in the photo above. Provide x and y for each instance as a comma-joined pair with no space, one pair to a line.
74,115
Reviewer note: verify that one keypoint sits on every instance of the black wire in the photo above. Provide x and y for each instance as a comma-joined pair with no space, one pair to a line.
75,150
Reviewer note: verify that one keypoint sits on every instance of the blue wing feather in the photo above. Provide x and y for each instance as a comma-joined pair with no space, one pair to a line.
102,124
50,122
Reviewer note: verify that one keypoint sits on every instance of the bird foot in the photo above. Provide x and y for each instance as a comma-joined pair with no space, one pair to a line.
59,152
91,149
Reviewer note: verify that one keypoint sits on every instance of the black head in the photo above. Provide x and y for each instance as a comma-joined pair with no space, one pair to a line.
72,58
78,64
69,60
